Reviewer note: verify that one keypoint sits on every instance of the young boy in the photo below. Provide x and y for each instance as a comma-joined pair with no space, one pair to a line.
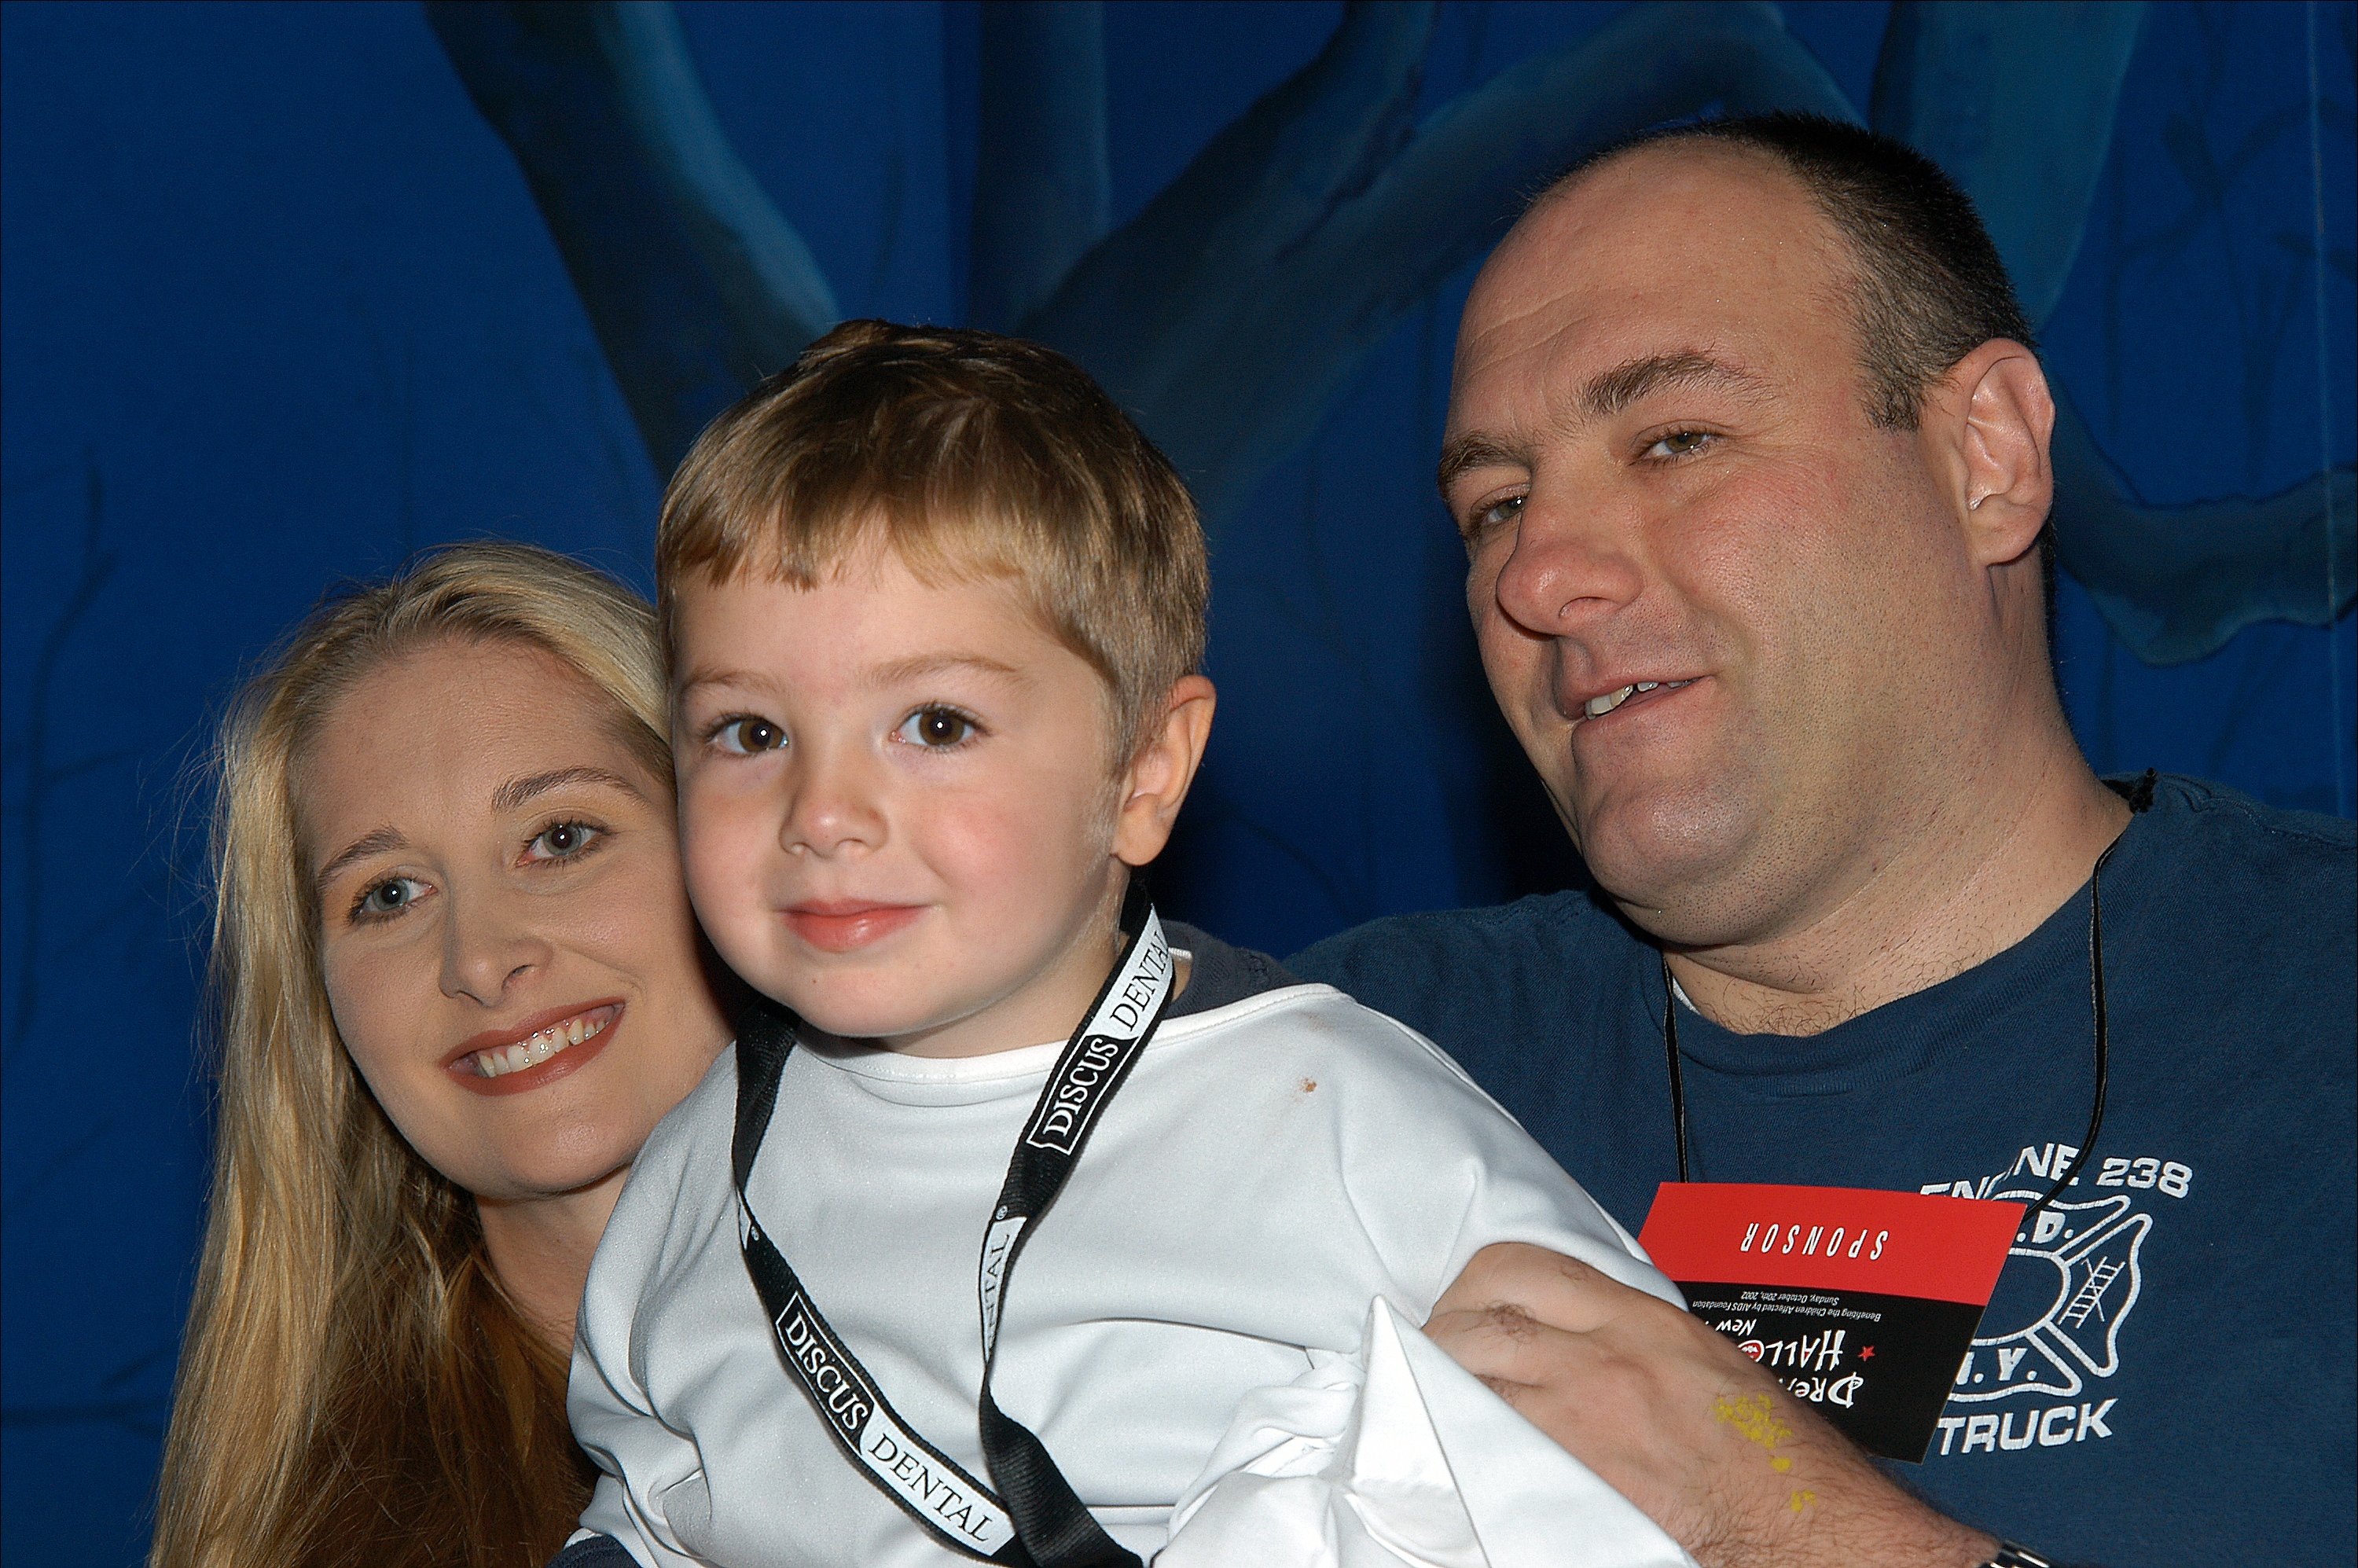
934,609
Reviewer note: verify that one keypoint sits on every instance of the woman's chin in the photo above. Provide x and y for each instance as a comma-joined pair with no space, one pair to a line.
527,1182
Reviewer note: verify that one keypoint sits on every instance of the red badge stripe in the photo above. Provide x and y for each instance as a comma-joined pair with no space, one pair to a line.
1932,1247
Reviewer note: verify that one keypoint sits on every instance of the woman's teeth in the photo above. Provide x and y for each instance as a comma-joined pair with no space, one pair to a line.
1597,707
532,1052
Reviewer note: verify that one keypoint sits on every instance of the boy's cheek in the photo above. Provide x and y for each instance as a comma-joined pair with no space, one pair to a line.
719,853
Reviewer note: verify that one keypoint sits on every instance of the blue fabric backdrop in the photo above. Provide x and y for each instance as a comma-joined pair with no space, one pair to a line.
278,308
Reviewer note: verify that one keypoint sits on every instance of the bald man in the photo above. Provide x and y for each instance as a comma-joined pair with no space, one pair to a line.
1749,444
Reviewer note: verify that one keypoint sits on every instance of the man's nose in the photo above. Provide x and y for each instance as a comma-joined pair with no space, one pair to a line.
1568,564
835,803
488,944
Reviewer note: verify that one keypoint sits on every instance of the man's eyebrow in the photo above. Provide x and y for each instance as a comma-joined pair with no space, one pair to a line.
1463,453
375,841
1612,391
518,792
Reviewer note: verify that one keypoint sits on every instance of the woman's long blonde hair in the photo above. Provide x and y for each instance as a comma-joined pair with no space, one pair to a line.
356,1387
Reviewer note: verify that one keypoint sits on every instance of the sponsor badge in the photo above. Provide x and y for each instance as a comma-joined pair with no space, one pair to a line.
1862,1303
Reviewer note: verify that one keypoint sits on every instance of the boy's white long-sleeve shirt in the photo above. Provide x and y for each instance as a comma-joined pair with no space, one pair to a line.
1271,1168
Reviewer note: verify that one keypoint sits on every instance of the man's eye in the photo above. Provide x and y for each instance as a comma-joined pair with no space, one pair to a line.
1485,518
745,736
380,901
1679,444
562,841
937,728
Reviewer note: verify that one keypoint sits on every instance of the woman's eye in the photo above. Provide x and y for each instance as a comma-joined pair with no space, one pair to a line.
388,898
936,727
562,841
1679,444
747,735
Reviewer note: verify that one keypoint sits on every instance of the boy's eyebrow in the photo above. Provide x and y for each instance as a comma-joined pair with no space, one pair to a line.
690,679
917,666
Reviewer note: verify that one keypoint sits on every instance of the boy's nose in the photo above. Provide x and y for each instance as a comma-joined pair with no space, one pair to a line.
833,811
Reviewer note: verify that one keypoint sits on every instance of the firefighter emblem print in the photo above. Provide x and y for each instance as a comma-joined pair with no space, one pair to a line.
2052,1333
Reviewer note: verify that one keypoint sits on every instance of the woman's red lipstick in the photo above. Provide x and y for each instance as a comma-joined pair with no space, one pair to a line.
537,1050
843,925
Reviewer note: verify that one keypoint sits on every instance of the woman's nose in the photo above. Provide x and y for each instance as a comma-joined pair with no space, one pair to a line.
488,944
1567,565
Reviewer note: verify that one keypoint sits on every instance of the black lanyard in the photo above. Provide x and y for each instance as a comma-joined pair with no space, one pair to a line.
2137,802
1034,1519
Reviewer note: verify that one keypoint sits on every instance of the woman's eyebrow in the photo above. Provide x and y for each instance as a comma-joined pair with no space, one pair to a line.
375,841
518,792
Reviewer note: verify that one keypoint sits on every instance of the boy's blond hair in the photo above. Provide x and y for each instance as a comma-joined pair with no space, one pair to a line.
974,456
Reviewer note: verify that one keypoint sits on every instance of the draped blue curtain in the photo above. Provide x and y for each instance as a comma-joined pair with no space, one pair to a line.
277,305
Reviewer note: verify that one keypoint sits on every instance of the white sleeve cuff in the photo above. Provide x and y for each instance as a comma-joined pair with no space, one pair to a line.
1397,1457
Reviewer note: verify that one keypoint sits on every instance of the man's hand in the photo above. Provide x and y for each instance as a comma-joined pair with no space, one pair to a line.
1676,1418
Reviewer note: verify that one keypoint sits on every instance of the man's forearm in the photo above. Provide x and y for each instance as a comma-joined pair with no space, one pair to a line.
1674,1418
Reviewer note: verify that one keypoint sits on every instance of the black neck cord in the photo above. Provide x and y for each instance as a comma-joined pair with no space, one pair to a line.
2096,1006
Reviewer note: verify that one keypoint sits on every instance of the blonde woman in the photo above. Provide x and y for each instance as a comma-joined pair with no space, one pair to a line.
458,983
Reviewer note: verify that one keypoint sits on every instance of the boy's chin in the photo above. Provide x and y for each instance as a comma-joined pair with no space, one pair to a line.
867,1021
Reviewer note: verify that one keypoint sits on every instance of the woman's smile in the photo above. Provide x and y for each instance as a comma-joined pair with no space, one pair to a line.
541,1050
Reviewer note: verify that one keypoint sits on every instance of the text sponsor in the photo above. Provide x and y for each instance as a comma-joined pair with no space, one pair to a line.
1803,1240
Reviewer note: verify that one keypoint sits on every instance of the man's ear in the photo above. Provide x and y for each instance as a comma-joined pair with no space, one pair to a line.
1991,416
1155,784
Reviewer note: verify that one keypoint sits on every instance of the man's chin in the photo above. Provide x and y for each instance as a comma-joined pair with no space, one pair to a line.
1659,856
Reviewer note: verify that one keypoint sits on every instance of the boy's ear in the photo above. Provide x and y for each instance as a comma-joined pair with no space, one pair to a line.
1155,785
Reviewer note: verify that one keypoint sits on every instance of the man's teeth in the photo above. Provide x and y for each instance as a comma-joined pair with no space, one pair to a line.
532,1052
1597,707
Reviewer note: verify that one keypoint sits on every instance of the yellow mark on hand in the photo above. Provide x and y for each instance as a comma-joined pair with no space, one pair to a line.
1755,1416
1802,1500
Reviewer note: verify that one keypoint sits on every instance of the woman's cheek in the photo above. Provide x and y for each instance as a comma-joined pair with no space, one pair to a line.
359,1001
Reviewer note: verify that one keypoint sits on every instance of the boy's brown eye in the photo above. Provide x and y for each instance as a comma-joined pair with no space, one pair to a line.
936,727
749,735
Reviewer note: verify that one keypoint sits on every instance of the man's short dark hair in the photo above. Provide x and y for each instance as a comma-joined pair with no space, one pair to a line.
1929,287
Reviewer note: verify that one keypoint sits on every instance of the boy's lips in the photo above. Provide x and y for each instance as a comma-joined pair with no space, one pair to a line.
841,925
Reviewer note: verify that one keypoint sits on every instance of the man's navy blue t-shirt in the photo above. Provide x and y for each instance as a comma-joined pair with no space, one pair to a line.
2165,1373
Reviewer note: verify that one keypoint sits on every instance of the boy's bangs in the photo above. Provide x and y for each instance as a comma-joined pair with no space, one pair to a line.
973,457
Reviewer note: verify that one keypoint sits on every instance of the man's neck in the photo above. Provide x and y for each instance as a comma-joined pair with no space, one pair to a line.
1977,879
540,1249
